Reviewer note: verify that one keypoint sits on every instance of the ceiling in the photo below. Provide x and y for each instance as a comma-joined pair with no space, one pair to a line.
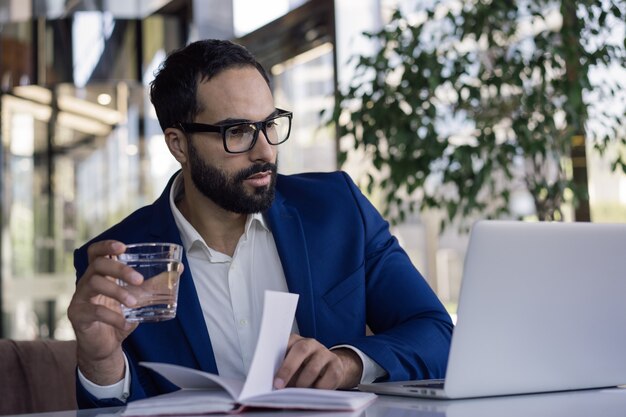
20,10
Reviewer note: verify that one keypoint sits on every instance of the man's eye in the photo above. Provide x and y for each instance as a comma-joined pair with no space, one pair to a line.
236,131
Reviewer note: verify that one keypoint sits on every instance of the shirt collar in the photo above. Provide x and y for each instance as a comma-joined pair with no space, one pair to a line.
188,234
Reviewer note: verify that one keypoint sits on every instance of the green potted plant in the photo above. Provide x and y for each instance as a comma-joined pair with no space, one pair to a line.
466,102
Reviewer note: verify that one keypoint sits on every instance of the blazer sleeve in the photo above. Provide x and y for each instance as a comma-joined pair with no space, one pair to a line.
412,330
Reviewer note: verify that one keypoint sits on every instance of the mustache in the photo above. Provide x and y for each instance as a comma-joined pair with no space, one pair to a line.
255,169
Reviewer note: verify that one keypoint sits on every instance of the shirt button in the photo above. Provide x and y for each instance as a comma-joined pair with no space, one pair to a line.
243,322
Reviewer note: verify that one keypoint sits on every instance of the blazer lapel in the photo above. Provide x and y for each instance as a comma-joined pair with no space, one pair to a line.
189,314
290,241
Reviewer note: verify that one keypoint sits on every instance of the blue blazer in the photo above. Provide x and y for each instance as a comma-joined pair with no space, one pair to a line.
337,254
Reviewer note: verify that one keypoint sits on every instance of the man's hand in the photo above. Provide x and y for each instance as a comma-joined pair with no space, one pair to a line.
309,364
96,315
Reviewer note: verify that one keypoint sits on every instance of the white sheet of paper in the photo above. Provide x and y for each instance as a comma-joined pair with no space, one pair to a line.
187,401
279,310
188,378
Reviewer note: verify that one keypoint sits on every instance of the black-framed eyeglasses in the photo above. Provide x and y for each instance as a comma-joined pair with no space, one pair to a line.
241,137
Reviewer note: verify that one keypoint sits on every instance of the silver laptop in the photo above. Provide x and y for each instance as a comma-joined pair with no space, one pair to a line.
542,308
609,402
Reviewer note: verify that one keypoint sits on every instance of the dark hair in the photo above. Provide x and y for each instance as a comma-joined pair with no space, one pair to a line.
173,90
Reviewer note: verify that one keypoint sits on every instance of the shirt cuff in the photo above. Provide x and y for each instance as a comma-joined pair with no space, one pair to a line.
371,370
119,390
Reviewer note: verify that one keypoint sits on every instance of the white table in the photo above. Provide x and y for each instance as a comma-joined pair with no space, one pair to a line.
589,403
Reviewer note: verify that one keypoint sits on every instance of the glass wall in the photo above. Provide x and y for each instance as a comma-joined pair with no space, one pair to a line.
304,84
77,156
71,169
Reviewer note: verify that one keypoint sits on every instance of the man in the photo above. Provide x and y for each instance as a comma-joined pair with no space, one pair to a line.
246,229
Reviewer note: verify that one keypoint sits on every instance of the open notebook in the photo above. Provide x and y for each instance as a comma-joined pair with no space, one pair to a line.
204,393
542,308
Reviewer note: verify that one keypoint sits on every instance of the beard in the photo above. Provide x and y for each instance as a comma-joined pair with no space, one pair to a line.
227,190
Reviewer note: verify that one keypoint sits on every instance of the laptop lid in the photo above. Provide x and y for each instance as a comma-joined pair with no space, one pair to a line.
542,308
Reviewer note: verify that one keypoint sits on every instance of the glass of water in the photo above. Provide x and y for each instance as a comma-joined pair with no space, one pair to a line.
157,296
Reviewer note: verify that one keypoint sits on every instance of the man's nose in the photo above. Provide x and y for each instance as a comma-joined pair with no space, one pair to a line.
262,149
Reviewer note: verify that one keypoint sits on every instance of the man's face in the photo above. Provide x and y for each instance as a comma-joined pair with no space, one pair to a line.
228,190
240,183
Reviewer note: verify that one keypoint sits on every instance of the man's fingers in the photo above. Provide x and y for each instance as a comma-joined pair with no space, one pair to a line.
311,370
306,364
330,377
105,248
102,262
99,279
100,301
112,268
107,287
293,338
292,362
86,314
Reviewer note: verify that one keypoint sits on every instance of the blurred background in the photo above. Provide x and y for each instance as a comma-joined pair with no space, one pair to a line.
447,112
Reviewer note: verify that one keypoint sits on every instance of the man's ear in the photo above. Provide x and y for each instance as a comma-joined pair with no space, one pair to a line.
177,143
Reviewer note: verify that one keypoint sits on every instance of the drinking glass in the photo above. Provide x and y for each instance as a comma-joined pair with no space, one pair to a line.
157,296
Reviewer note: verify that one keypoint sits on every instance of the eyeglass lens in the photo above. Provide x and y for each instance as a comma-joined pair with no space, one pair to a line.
239,138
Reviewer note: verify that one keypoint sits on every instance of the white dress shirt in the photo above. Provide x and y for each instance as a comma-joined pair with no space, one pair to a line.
230,290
